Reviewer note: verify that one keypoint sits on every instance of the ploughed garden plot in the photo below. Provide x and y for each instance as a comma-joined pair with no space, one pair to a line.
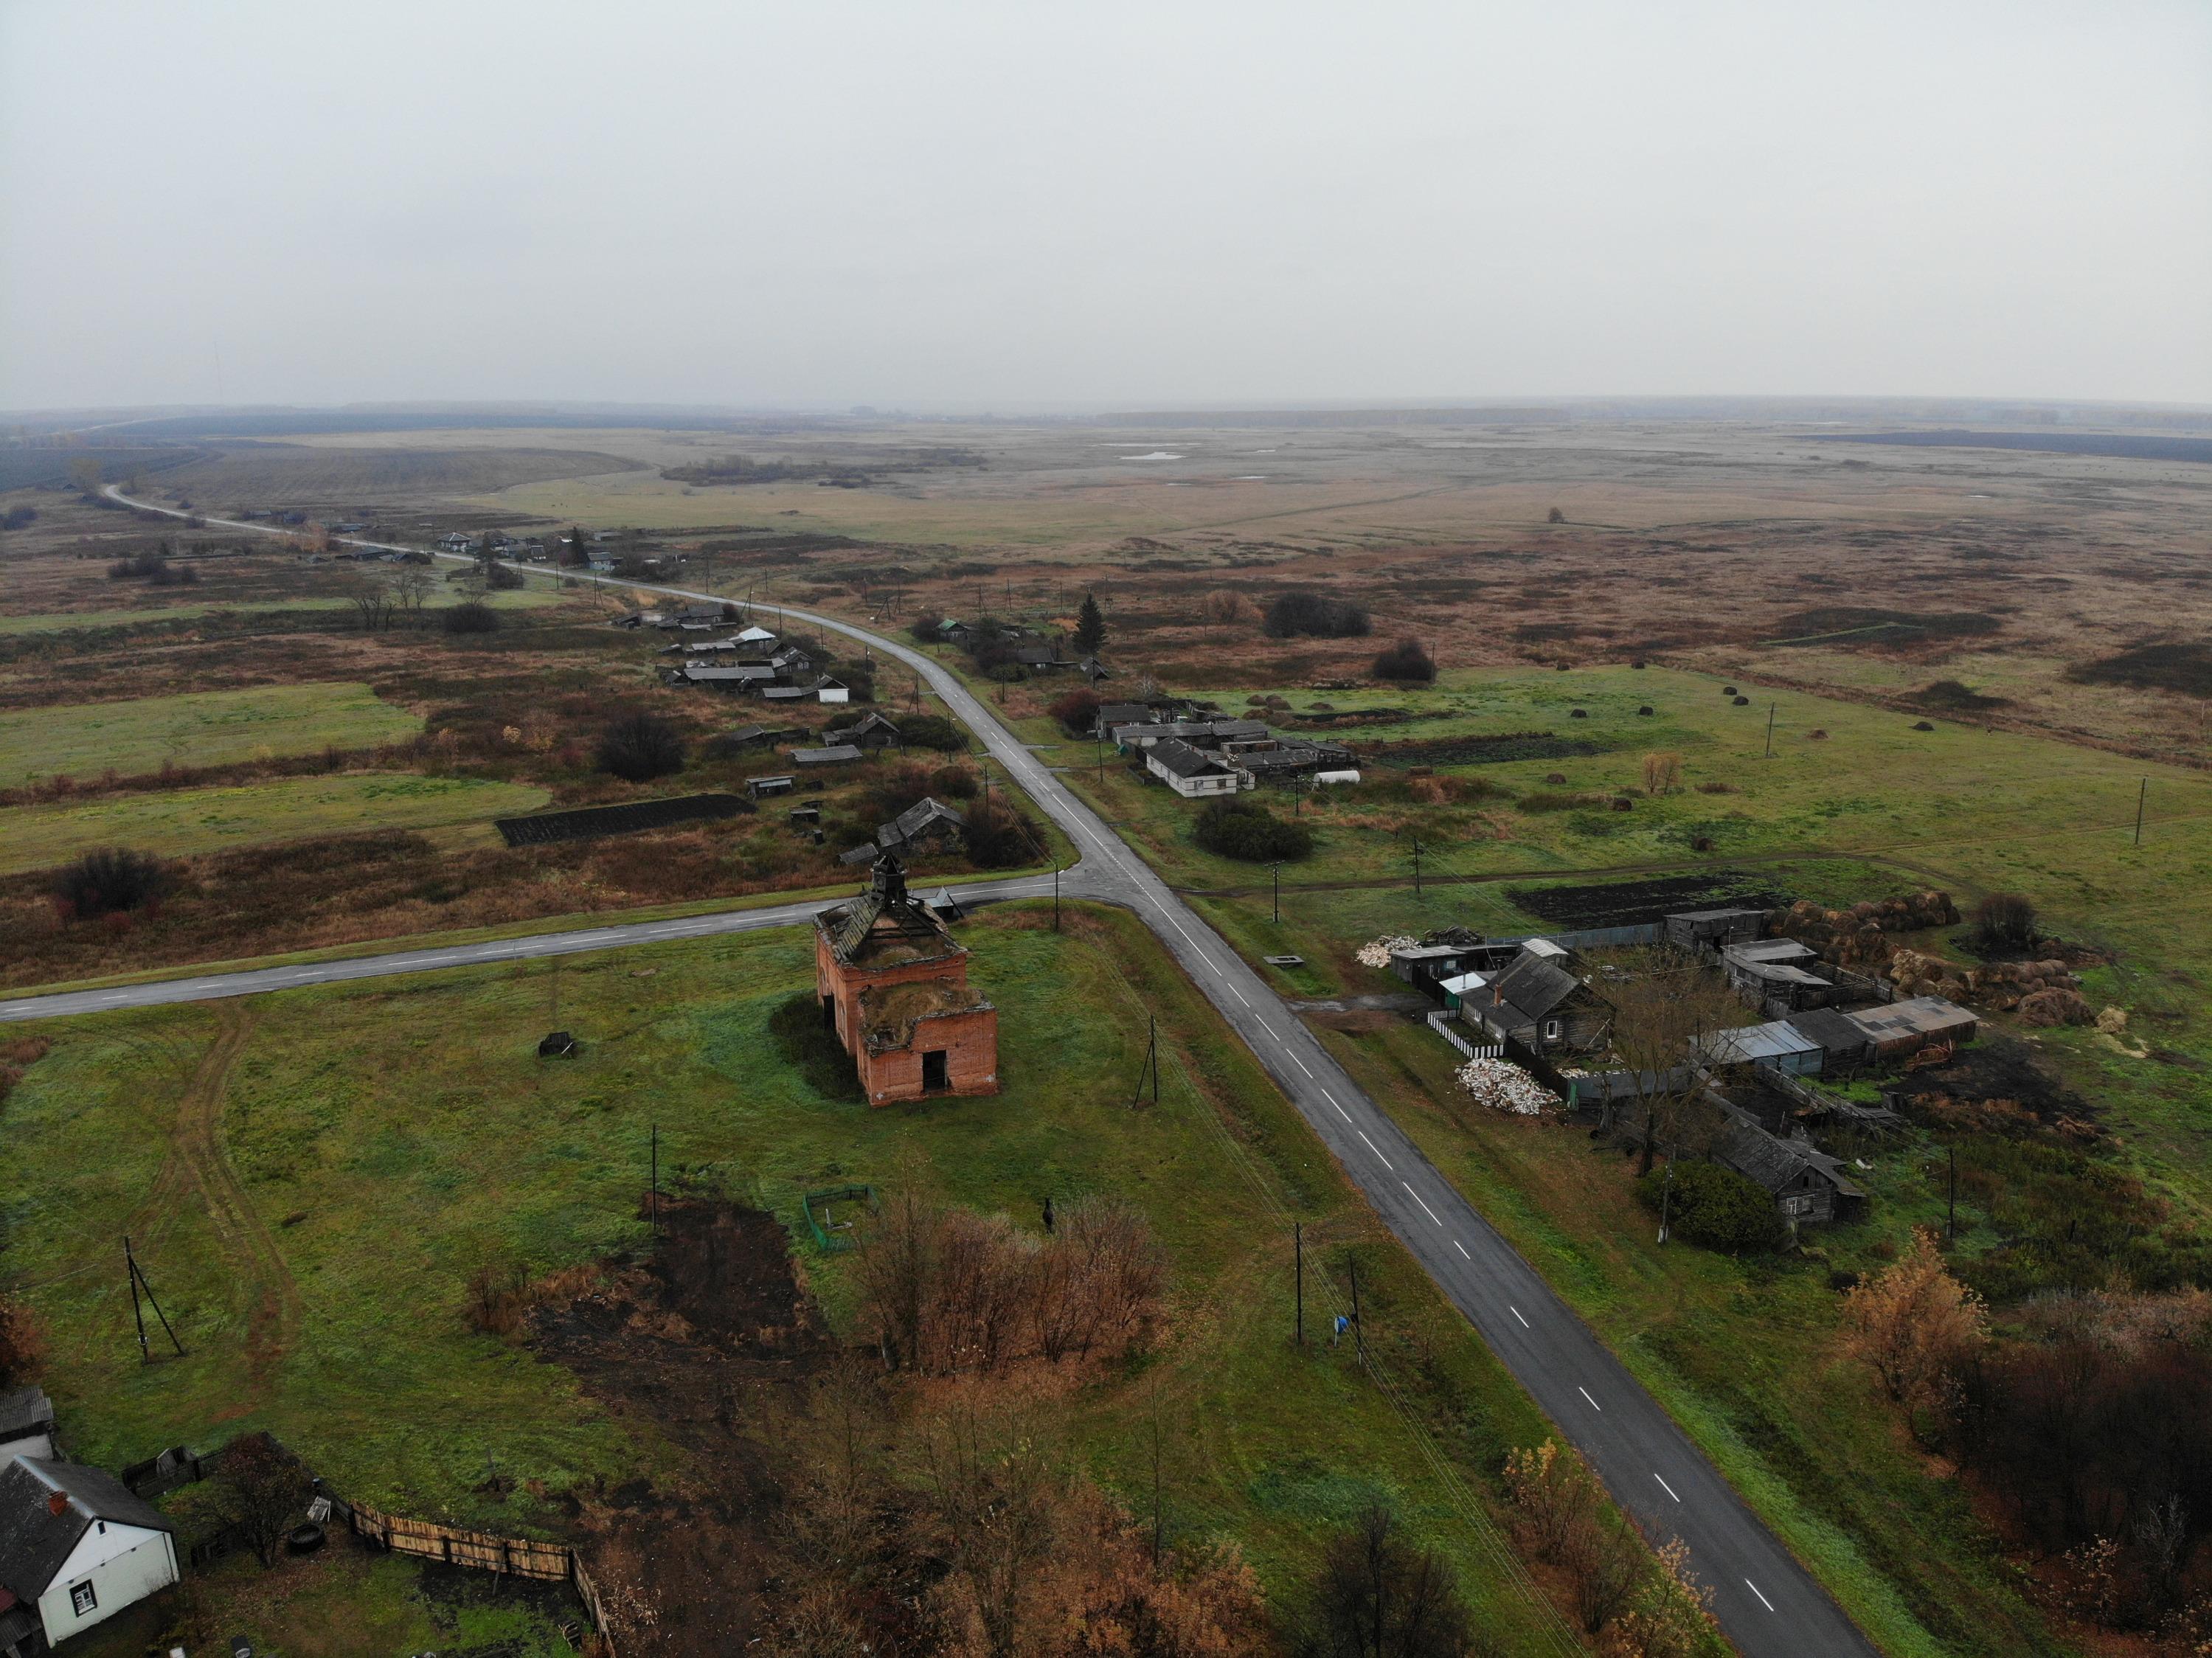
1639,903
1481,750
588,822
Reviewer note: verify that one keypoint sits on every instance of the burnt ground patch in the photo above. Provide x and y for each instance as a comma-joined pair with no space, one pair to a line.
1859,624
1639,903
1991,1081
1479,750
1952,695
588,822
709,1341
2183,665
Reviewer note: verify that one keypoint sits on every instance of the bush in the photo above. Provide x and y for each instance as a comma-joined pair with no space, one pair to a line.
1247,829
930,730
21,1345
929,632
110,880
151,566
1716,1208
1407,663
1076,710
500,579
1007,673
1000,837
473,617
952,783
2005,921
18,518
638,747
1314,616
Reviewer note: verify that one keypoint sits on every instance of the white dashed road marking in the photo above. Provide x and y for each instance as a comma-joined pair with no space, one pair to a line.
1372,1147
1670,1492
1462,1247
1340,1111
1416,1197
1585,1393
1763,1601
1516,1311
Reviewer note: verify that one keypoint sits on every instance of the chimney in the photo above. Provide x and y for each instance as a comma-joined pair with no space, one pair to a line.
57,1504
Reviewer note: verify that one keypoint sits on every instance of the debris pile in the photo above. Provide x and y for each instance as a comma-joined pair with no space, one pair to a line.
1506,1087
1377,952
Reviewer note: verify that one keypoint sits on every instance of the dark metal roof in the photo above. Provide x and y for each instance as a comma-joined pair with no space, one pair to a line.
1172,755
24,1411
886,922
828,756
35,1541
1535,985
1836,1033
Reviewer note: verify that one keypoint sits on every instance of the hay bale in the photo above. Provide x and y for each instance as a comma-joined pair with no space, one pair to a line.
2046,1008
1577,714
1743,701
1555,778
1816,736
1646,709
2112,1020
1921,726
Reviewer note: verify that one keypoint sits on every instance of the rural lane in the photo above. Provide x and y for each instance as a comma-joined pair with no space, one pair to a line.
1767,1603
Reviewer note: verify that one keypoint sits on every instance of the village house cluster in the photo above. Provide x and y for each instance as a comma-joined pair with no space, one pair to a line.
1200,754
1539,1001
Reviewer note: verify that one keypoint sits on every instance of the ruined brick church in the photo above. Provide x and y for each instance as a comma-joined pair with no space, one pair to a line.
894,987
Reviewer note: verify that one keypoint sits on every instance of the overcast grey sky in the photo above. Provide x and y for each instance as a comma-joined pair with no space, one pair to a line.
968,206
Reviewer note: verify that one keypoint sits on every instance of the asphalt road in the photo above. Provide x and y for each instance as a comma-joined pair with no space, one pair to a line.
1766,1603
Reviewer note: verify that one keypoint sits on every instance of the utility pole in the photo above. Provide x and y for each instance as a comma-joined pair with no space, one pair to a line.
1298,1250
656,1179
139,1284
1666,1197
1770,731
1278,894
1153,1045
1056,897
1417,867
1358,1330
2142,795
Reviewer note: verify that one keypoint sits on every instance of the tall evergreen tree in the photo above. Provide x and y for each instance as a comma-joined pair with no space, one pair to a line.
1090,626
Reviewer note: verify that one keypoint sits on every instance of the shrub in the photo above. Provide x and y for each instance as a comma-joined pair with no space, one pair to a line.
21,1345
472,617
1405,662
1716,1208
1380,1593
261,1488
110,880
931,731
500,579
1000,837
638,747
1007,673
1247,829
18,518
1555,516
1313,616
952,783
1553,800
2005,921
926,632
1076,710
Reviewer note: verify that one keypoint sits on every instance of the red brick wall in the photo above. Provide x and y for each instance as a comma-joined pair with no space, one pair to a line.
970,1043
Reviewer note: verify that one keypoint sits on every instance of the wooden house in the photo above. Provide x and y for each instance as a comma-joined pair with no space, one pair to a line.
1709,929
75,1548
1539,1000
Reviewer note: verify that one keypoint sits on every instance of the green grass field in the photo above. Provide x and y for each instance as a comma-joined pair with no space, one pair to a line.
312,1179
203,728
173,823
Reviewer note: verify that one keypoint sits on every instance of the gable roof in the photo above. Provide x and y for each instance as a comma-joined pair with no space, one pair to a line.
1176,757
35,1542
1534,986
886,925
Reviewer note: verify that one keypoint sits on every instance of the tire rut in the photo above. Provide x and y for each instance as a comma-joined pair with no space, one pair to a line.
273,1306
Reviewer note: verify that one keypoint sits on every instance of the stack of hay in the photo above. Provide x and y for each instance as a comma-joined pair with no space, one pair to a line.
1858,936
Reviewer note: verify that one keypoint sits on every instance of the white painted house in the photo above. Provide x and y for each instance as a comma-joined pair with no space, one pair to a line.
1190,773
75,1548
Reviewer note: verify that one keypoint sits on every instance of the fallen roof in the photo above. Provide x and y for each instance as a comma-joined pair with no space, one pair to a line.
889,1013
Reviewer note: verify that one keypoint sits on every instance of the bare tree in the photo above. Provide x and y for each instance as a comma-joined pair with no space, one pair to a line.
261,1487
373,605
1381,1597
1665,1001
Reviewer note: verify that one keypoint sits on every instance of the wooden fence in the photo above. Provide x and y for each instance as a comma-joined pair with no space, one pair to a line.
517,1557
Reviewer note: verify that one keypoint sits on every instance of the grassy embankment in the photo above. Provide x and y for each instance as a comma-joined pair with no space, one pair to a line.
386,1142
178,822
199,728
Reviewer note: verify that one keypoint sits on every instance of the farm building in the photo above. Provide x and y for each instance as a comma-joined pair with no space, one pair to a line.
1843,1040
1709,929
26,1423
753,636
1267,758
832,691
928,822
1145,734
1807,1186
762,788
1777,1043
1906,1027
738,678
1538,1001
75,1548
1190,773
1780,975
894,987
836,754
871,731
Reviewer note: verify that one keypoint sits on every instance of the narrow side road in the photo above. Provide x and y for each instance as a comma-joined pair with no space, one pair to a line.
1766,1601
